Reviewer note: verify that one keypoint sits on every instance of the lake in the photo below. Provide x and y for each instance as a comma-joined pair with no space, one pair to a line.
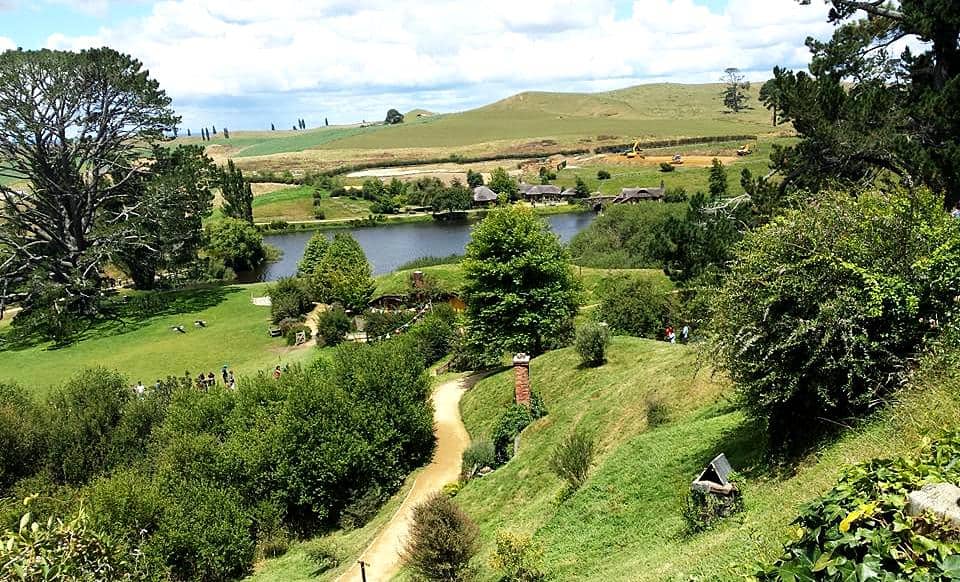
389,246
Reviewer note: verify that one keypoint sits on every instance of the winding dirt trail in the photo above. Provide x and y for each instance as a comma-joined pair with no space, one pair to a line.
382,556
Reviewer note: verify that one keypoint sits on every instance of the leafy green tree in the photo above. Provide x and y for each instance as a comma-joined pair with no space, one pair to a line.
603,175
636,306
442,541
235,242
424,191
735,95
581,188
626,236
825,307
701,244
75,154
519,288
474,179
344,276
333,325
502,183
288,299
178,189
454,198
313,254
22,435
771,94
900,115
718,180
394,117
237,193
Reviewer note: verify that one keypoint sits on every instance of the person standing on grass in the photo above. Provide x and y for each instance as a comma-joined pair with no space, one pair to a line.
211,380
140,389
277,372
685,334
223,373
232,382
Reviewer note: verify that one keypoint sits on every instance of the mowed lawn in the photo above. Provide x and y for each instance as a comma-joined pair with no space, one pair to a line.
297,204
146,348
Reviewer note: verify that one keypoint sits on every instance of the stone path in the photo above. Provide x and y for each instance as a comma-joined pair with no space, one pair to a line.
382,556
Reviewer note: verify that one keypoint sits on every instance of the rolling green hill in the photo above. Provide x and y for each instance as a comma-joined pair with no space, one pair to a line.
572,119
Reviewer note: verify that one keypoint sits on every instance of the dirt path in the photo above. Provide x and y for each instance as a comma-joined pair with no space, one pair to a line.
382,557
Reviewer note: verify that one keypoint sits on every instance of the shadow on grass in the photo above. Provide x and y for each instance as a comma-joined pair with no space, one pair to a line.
127,313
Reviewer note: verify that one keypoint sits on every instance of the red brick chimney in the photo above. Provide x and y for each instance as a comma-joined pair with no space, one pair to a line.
521,371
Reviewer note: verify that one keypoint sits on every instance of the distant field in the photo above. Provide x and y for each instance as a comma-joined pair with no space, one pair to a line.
525,124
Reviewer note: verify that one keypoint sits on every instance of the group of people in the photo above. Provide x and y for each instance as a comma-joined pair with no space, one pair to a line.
209,381
671,336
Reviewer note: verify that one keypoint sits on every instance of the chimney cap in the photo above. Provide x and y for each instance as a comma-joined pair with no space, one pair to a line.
521,358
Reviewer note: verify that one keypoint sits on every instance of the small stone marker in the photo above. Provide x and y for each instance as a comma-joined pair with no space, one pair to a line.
940,499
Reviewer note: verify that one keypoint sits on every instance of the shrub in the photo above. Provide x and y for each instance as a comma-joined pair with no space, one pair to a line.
626,236
667,167
591,343
862,524
442,540
435,334
127,504
204,534
478,455
289,299
381,323
64,550
658,412
826,307
324,555
237,243
702,510
291,334
518,558
451,489
676,194
636,306
85,412
318,213
603,175
362,507
332,326
22,435
511,423
572,458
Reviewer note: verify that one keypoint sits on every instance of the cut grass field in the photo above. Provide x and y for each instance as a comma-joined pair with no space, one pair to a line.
625,522
296,203
145,348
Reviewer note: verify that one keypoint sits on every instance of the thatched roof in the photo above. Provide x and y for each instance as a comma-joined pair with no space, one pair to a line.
545,190
569,192
523,187
634,194
484,194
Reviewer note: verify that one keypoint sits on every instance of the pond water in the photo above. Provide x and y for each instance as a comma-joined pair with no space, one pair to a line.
389,246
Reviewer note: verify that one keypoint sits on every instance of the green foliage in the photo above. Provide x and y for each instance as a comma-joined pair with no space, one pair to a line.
291,334
22,435
204,534
736,90
454,198
516,418
520,289
501,183
603,175
626,236
430,261
474,179
636,306
434,335
323,555
547,175
573,457
332,327
478,455
344,275
667,167
718,180
381,323
442,540
235,242
860,529
237,194
518,557
675,195
658,411
826,306
313,254
85,412
703,511
288,299
581,188
591,343
700,245
64,550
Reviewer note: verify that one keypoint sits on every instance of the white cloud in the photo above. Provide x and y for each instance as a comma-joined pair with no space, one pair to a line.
447,52
6,44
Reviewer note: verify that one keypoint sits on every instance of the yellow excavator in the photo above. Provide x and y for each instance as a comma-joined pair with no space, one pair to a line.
636,152
744,150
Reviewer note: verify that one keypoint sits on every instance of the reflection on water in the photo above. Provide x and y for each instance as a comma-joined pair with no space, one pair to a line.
389,246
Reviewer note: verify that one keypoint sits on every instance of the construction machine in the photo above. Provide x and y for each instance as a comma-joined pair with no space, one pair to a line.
677,160
635,152
744,150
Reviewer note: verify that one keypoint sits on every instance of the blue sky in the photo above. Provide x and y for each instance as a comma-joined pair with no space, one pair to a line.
247,63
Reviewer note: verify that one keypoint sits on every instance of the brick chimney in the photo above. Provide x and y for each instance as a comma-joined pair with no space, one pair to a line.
418,279
521,371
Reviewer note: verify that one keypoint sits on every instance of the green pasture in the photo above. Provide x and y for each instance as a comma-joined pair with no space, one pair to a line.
144,347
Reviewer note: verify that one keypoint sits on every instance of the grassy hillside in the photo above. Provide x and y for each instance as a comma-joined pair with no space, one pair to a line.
297,204
625,523
145,348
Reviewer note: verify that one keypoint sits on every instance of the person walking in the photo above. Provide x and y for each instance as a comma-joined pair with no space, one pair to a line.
140,389
685,334
231,380
223,373
277,373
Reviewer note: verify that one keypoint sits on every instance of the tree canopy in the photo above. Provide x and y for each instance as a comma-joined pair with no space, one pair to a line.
237,193
520,290
78,128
